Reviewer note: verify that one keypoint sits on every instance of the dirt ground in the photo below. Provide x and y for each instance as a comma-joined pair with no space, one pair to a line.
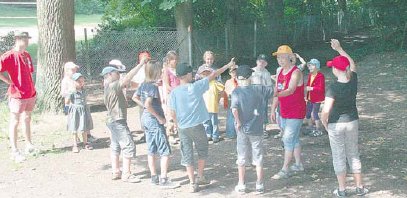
382,106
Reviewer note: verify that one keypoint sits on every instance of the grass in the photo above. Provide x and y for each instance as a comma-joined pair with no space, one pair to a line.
18,11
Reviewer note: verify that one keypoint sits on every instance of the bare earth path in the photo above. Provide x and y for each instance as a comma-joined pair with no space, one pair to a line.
382,105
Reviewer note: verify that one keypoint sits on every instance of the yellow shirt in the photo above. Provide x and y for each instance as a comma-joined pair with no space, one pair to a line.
212,96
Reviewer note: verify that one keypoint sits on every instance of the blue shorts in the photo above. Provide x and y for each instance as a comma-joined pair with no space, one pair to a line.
291,136
157,142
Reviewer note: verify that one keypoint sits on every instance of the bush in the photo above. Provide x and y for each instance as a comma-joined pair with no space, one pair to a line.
6,42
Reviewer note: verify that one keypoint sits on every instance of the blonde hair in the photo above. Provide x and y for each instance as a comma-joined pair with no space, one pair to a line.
153,70
208,53
171,55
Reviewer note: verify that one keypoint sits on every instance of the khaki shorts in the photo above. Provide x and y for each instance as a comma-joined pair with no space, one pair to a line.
21,105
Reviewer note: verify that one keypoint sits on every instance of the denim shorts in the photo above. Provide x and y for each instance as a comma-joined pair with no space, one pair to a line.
190,136
121,139
291,136
157,142
249,145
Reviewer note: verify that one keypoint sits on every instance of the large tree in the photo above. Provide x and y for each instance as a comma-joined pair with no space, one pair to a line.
56,45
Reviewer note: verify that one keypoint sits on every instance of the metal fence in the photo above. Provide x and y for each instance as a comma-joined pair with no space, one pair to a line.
95,52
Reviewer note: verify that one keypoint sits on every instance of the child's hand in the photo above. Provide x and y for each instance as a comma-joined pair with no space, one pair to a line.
309,88
335,44
161,120
232,62
144,60
273,117
297,55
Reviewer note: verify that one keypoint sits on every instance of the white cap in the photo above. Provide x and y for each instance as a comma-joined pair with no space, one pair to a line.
71,65
118,64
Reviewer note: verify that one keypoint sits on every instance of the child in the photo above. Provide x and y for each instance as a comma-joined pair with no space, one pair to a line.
79,116
119,65
153,120
67,84
314,96
248,112
211,98
121,140
261,76
209,59
230,85
187,112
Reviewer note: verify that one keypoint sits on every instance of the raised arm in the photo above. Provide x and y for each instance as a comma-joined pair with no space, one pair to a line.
337,47
126,80
221,70
303,63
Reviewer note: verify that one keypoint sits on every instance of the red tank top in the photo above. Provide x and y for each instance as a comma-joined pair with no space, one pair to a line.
292,106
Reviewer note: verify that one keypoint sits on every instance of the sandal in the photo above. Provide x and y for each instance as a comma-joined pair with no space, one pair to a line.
88,147
316,133
75,149
117,175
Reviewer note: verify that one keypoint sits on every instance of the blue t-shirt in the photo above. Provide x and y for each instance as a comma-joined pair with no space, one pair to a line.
188,103
249,104
150,90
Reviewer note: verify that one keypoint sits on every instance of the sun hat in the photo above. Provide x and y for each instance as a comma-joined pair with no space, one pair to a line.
283,49
339,62
76,76
315,62
118,64
183,69
20,34
110,69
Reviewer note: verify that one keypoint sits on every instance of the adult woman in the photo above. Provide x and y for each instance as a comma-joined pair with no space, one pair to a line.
340,118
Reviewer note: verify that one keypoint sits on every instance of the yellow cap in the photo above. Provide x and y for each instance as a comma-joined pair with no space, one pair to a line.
284,49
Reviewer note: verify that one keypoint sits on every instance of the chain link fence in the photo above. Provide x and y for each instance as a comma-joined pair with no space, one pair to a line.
95,52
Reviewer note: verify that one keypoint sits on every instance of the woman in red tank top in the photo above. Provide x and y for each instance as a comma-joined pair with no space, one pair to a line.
289,94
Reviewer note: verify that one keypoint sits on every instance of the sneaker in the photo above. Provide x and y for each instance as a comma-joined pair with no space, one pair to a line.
216,140
210,139
193,187
282,174
117,175
259,188
361,191
265,135
240,188
202,181
130,178
17,157
92,139
31,150
339,193
297,168
155,179
168,184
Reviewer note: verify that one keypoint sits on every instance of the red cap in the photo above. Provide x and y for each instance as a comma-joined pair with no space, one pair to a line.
339,62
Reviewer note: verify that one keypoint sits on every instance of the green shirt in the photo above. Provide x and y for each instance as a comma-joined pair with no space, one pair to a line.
115,102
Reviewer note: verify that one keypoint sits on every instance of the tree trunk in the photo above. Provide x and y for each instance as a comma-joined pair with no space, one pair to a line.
183,19
342,17
276,22
56,45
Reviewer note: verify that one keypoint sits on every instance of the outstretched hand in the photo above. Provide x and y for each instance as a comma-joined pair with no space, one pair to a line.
335,44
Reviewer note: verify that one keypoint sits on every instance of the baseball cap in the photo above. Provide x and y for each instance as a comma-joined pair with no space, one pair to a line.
76,76
339,62
118,64
183,69
283,49
110,69
204,69
71,65
244,71
20,34
262,57
315,62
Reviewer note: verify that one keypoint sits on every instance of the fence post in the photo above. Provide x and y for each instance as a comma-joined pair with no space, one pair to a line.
226,43
255,39
190,45
87,52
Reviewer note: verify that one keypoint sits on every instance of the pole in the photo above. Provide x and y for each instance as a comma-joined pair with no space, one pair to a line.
190,45
226,43
255,39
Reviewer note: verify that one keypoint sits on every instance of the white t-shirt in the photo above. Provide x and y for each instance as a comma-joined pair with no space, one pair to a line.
140,76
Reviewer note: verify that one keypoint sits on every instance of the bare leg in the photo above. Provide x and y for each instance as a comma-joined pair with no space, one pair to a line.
13,125
288,155
297,155
201,166
27,127
190,172
358,179
115,163
242,171
164,166
85,137
341,181
126,165
260,173
75,137
151,164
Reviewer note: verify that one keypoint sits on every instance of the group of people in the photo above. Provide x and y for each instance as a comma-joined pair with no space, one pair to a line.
174,100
